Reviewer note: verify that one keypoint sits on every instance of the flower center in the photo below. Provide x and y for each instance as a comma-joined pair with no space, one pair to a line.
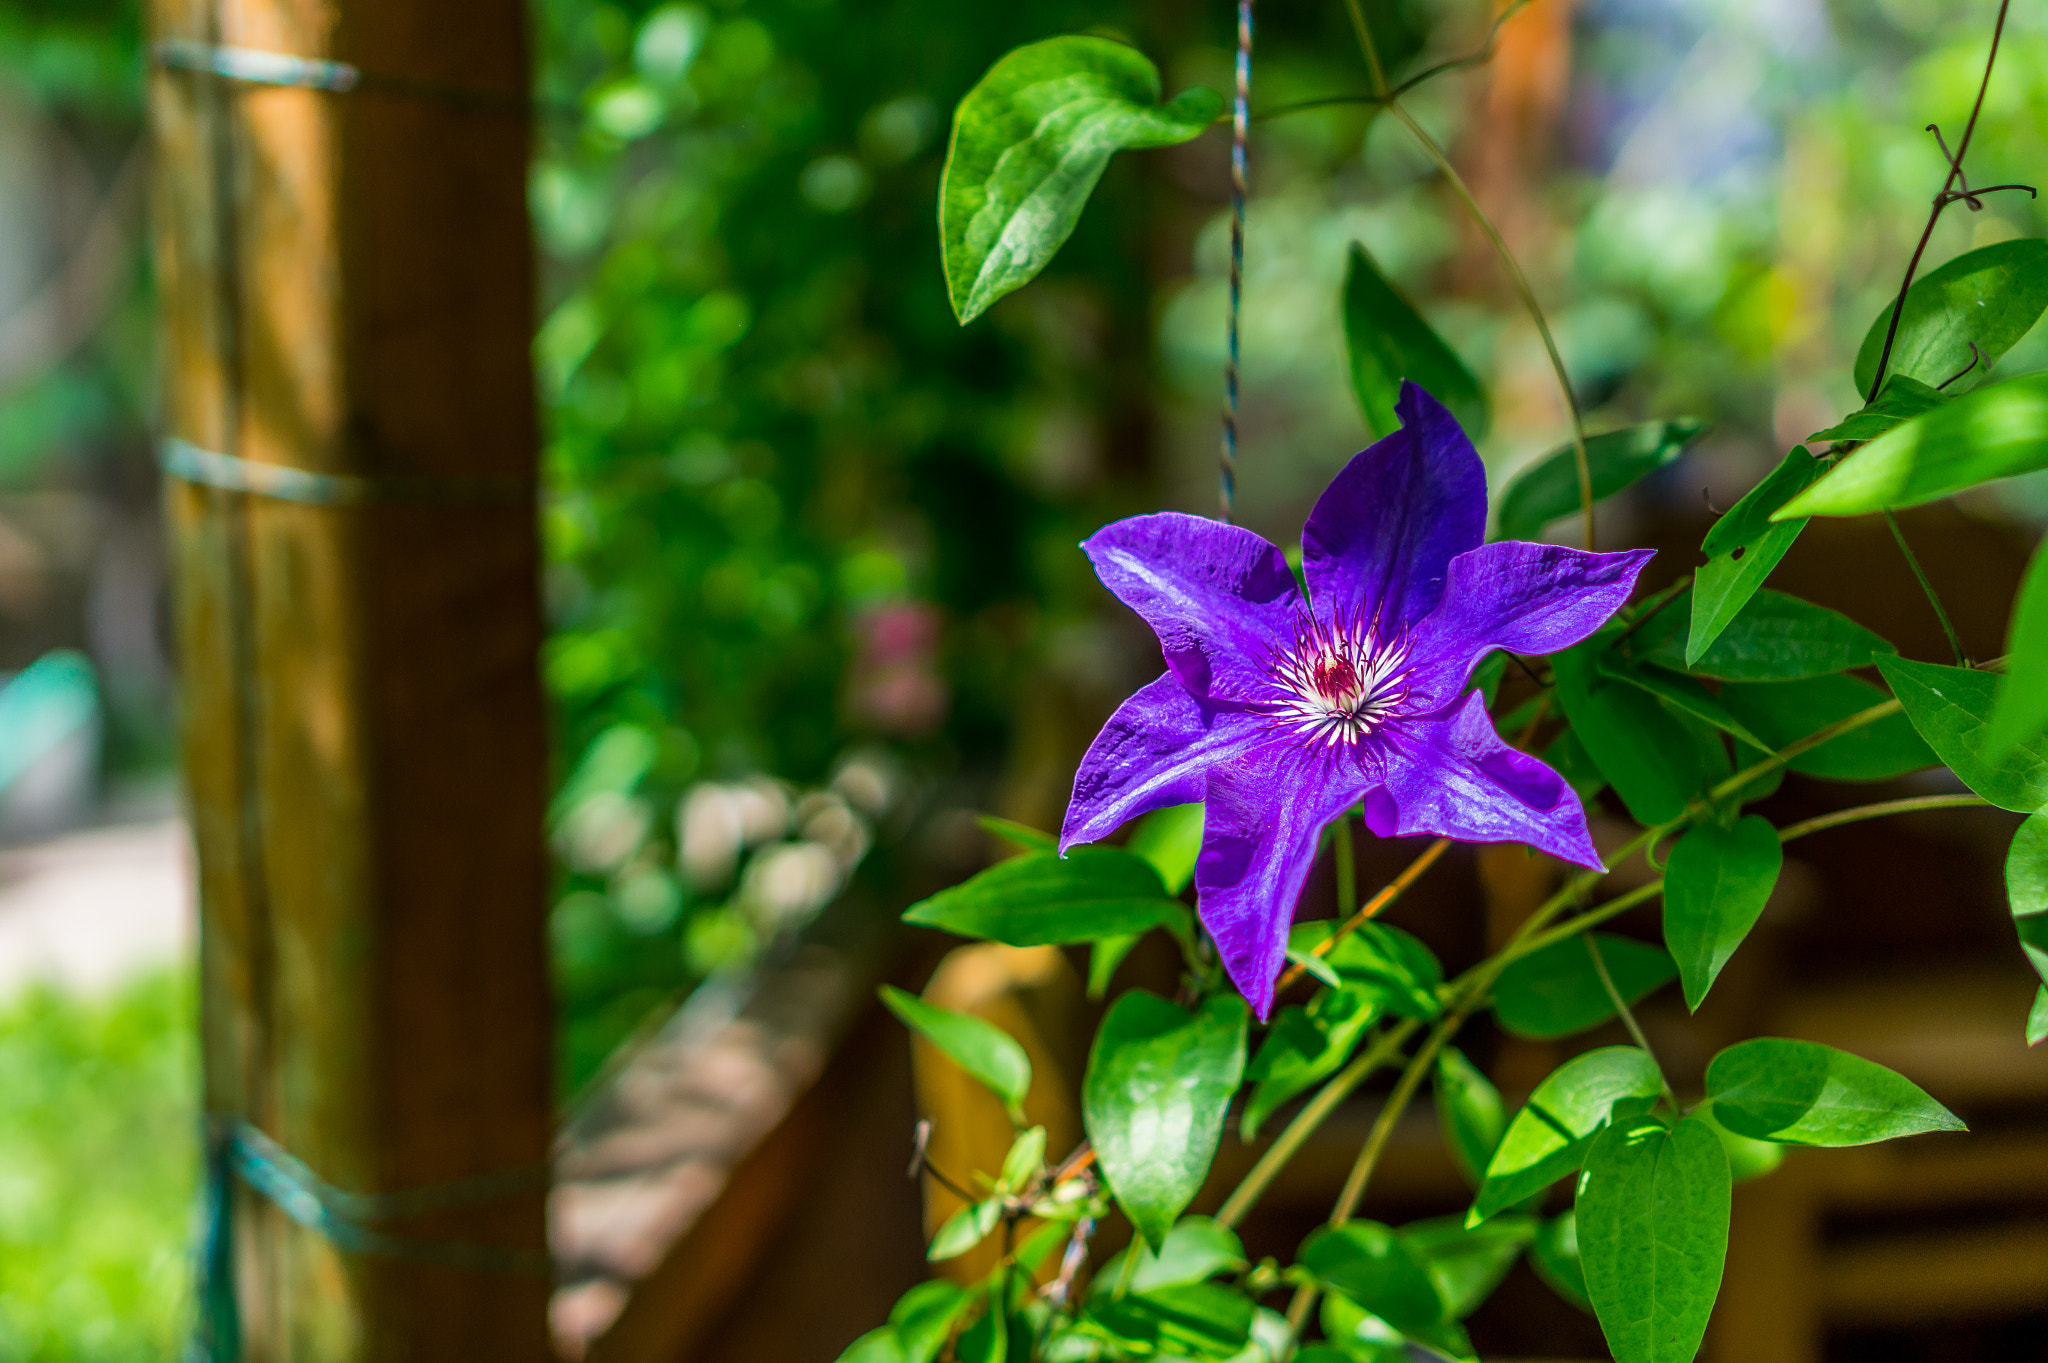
1338,681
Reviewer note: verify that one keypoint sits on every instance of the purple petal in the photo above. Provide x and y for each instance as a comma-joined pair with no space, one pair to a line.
1387,527
1525,598
1219,597
1454,777
1266,809
1155,751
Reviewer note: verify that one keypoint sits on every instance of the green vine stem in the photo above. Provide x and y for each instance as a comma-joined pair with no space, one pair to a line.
1955,642
1392,103
1628,1018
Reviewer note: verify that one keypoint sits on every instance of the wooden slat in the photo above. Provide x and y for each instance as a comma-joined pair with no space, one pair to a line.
347,289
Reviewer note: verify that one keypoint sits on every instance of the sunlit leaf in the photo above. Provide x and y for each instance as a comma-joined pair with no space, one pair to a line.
924,1316
1395,962
1804,1093
1170,839
1557,991
1548,490
1388,341
982,1049
2021,711
1196,1249
1041,898
965,1229
1951,707
1991,297
1190,1321
1029,142
2037,1017
1995,432
1653,1236
1159,1079
1548,1137
1715,885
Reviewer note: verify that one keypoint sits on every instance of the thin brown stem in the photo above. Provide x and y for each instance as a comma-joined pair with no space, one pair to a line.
1387,895
1941,202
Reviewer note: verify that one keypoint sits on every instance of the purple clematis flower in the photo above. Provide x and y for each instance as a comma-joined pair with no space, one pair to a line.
1283,713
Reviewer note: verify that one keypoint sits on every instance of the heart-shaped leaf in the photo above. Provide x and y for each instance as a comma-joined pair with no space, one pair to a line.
1387,341
1029,142
1989,297
1653,1236
1159,1080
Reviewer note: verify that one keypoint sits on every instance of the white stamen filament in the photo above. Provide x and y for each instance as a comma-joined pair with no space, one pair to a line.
1338,681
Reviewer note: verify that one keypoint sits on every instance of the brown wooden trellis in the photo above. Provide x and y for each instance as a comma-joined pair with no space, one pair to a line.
346,280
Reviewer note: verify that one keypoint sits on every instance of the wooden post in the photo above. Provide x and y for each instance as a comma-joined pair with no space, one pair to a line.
346,279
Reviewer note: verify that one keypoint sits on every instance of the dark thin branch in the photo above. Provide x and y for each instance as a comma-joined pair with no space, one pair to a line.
1941,201
1478,57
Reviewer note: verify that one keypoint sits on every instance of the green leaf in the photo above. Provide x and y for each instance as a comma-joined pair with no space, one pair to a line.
1556,991
1363,1337
1743,547
1748,1157
1019,835
1548,490
1388,341
924,1316
1104,956
2026,889
1995,432
1041,898
1903,399
965,1229
1951,707
1001,1334
1682,694
1021,1165
1467,1262
1775,637
1548,1137
876,1346
1781,712
1470,1111
1305,1046
1194,1320
1376,1268
1159,1079
1195,1250
1555,1256
1991,296
1029,142
982,1049
1641,748
1405,971
1568,758
1170,839
1715,884
1653,1235
2021,711
2037,1017
1804,1093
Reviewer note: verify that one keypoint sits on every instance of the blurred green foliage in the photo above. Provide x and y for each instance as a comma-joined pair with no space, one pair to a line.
99,1157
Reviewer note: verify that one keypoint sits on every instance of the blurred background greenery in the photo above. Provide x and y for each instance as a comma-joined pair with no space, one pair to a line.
811,572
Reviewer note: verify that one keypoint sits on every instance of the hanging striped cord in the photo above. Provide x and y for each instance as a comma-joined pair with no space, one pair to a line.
1240,115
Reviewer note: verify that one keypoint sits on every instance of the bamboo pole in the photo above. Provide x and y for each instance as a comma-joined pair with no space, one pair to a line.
346,282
